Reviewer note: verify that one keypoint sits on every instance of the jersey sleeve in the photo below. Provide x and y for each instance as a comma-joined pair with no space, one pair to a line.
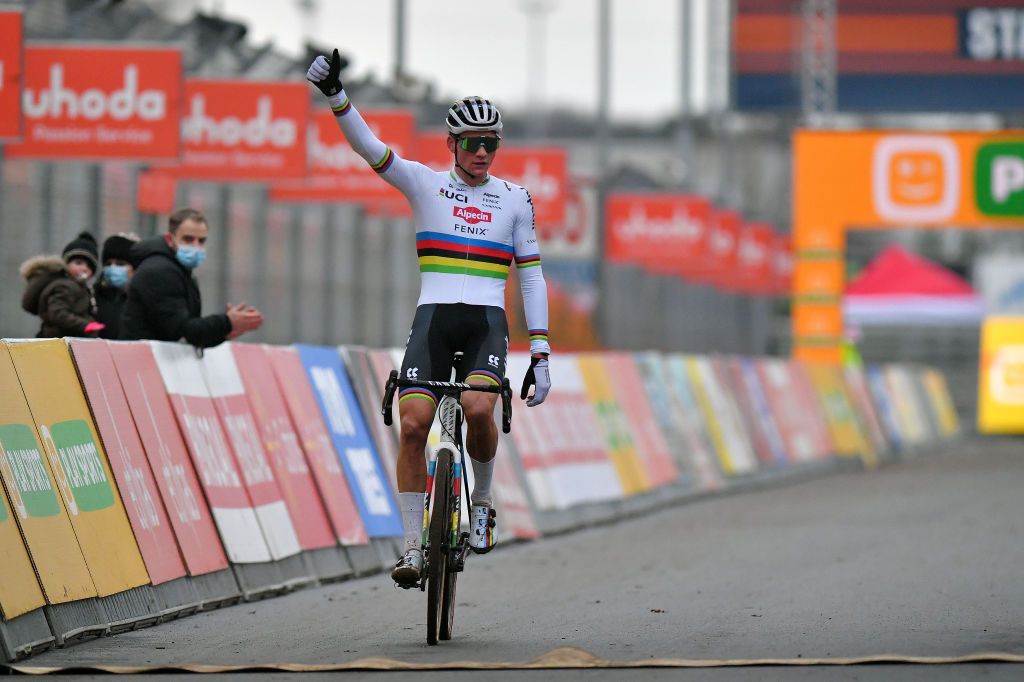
531,277
401,173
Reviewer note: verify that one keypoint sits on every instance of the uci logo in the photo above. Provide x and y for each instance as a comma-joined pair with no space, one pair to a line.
458,196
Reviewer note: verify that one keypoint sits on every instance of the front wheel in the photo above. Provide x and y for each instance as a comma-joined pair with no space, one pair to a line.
439,535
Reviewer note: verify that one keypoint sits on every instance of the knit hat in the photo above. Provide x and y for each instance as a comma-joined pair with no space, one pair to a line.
118,246
83,246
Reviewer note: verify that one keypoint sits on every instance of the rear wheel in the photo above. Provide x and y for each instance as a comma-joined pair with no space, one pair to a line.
439,535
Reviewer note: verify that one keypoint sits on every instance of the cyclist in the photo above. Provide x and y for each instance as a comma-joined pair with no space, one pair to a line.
470,228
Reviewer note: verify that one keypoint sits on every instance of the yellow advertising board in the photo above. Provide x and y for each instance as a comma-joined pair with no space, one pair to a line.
1001,376
847,436
35,504
76,456
613,425
714,426
942,404
19,589
880,179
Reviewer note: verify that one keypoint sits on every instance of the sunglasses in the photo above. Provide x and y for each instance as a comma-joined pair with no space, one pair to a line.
471,144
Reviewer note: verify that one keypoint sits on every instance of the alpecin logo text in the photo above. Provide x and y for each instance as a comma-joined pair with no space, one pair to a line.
471,214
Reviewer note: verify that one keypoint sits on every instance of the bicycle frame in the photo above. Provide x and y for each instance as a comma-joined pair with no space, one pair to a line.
450,416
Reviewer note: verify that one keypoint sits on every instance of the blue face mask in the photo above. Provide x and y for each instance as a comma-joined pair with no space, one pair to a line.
116,275
190,256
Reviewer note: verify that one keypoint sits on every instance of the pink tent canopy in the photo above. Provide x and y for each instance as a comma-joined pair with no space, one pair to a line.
900,287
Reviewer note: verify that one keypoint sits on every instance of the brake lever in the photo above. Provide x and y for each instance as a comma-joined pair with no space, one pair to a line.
389,396
506,406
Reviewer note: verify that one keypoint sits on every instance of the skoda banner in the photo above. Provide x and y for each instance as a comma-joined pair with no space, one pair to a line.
340,409
100,103
11,70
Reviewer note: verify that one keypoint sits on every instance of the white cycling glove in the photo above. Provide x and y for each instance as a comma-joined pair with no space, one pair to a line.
538,376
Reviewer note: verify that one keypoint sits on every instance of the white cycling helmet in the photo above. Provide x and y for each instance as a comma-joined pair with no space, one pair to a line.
473,115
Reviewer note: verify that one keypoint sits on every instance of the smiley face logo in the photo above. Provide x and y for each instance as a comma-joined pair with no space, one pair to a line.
916,178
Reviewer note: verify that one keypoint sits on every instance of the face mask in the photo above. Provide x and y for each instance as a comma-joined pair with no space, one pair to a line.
190,256
116,275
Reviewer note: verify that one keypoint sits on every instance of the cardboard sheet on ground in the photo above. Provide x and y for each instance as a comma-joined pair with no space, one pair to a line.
232,405
283,447
560,444
613,424
173,472
127,459
19,589
325,465
80,465
352,442
35,503
651,447
724,426
208,447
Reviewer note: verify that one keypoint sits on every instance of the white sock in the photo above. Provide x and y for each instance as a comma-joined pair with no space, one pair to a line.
412,518
482,472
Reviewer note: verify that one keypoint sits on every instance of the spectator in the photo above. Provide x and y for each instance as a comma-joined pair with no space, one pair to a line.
58,290
112,288
163,300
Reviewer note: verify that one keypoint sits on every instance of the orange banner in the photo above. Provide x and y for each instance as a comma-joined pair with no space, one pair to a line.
100,103
11,64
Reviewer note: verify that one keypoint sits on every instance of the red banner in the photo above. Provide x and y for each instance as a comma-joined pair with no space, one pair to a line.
755,273
155,192
782,265
149,521
323,461
100,103
665,233
284,450
543,171
176,479
243,130
723,248
11,66
337,173
432,151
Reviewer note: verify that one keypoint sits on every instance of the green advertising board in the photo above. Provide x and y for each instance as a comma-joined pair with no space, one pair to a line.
999,178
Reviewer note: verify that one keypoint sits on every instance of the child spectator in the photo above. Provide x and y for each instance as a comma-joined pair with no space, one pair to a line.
58,290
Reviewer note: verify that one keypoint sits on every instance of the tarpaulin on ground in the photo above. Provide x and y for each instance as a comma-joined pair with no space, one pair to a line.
79,465
174,474
323,461
228,394
352,441
36,504
283,447
208,446
127,458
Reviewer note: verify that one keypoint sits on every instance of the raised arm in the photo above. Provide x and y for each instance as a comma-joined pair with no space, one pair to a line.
326,75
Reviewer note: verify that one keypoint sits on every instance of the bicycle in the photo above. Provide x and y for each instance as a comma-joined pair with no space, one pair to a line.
444,546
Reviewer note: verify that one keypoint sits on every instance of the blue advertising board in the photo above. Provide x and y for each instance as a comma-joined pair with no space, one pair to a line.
351,439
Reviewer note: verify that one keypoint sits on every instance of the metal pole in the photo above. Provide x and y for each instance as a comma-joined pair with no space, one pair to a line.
399,41
327,248
295,278
224,241
96,201
603,142
46,206
260,258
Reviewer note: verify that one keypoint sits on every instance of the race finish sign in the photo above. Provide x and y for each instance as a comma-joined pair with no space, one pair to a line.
243,130
221,480
34,502
228,395
79,465
127,460
100,103
11,71
175,477
352,441
335,490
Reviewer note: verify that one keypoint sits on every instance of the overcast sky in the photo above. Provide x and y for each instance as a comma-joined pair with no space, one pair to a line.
482,47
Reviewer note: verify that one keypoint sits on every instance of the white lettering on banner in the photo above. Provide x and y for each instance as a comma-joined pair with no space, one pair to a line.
141,500
751,252
370,484
334,400
242,432
288,442
1007,176
211,452
230,131
57,467
93,104
680,226
183,501
541,186
322,449
339,156
720,242
236,158
9,474
1006,375
995,34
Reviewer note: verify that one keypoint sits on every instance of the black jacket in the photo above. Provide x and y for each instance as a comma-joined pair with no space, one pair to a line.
163,300
64,305
109,303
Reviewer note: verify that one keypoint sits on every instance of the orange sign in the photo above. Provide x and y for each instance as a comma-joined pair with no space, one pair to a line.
336,172
11,61
243,130
155,191
664,232
543,172
100,103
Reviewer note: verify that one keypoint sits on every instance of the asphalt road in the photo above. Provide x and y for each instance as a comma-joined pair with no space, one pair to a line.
922,558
